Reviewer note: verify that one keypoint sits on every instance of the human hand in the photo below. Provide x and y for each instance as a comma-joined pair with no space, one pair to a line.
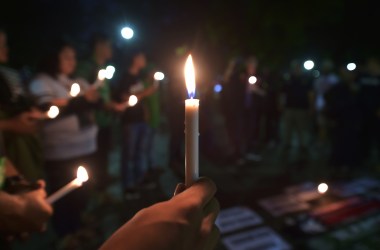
25,123
117,107
92,95
185,222
28,212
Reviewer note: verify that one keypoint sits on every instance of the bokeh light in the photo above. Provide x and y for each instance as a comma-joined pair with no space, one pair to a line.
308,65
127,33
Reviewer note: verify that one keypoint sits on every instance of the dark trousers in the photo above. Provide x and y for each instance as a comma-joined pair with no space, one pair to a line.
67,211
134,158
104,143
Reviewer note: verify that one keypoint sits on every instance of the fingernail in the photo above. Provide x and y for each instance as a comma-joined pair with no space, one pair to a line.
179,189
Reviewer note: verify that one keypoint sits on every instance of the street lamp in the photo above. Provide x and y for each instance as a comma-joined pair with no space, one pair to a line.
308,65
127,33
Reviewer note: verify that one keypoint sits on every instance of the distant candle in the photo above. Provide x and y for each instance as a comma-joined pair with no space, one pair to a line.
191,127
75,89
101,77
53,112
82,176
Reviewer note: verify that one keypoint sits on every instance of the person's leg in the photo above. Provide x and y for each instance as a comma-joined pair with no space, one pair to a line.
127,157
288,120
141,153
103,145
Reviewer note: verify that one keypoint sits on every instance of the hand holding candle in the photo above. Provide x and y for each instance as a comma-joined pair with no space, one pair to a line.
191,127
82,176
100,80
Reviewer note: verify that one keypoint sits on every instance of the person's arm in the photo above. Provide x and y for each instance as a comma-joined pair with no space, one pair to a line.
185,222
22,124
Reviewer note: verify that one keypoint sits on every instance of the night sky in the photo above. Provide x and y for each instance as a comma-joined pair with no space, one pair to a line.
275,31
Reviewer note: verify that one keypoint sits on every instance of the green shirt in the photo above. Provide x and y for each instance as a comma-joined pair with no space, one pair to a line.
153,106
88,70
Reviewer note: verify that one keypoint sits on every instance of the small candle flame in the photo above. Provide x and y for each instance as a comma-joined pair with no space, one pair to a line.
102,74
322,188
190,77
159,76
53,112
110,70
75,89
252,80
82,175
132,101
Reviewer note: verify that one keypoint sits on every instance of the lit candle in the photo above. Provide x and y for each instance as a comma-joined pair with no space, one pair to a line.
100,80
322,188
82,176
191,126
158,76
53,112
75,89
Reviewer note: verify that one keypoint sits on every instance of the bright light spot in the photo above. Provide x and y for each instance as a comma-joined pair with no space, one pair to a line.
316,73
351,66
75,89
127,33
102,74
110,70
218,88
190,77
252,80
132,101
159,76
53,112
322,188
82,175
308,65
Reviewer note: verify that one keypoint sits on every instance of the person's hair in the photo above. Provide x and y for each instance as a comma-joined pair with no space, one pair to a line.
50,62
97,38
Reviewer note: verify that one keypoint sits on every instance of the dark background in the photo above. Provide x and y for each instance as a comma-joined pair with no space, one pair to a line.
275,31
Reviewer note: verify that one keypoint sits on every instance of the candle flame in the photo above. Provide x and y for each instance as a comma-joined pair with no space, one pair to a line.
75,89
132,101
159,76
322,188
102,74
190,77
82,175
53,112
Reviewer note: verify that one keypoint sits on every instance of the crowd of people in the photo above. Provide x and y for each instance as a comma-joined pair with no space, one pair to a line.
332,110
338,109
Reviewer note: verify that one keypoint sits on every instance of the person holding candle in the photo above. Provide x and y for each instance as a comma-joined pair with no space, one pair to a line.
23,211
70,139
185,222
101,53
134,158
17,111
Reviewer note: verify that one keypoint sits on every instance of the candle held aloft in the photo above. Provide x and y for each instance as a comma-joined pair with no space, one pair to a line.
191,127
82,176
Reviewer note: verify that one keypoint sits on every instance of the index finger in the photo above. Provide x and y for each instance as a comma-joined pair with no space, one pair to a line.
202,192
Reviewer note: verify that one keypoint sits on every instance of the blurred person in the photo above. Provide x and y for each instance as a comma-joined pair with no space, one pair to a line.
17,114
271,84
322,84
369,101
234,98
153,109
69,140
135,129
185,222
255,109
344,116
101,53
297,98
23,210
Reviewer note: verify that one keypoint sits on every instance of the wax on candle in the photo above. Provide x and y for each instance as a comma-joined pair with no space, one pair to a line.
82,176
191,127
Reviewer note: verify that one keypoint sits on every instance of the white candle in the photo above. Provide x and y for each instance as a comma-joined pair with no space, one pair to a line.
100,80
82,176
191,127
